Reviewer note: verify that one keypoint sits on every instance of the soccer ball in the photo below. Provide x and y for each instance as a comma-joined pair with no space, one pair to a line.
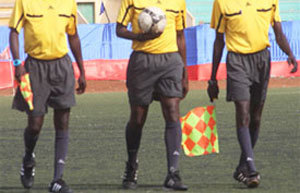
152,19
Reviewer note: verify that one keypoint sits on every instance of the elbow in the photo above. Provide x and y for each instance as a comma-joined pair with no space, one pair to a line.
118,33
119,30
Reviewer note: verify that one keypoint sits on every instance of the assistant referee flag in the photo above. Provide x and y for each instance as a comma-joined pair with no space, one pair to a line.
199,131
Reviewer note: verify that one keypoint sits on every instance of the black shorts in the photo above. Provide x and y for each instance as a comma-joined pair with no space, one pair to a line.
248,76
52,84
153,74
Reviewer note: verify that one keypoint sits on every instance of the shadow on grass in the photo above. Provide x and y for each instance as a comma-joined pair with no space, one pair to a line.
111,186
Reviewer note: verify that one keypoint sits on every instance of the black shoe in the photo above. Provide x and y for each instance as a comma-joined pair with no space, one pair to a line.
253,180
173,182
130,176
27,171
240,174
59,186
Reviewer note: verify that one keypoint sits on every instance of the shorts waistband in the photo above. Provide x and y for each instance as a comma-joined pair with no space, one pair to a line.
254,53
51,60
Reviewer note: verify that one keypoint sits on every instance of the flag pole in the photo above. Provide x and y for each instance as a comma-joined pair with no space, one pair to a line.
103,9
106,14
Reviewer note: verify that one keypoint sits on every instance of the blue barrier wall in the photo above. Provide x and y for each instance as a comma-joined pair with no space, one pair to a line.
100,42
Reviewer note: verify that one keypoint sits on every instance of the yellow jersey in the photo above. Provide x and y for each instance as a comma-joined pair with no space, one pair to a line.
45,24
245,23
175,11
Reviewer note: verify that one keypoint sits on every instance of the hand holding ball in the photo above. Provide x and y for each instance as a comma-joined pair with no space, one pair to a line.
152,20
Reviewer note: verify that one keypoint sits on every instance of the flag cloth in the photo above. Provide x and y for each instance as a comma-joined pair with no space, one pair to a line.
26,91
199,131
102,8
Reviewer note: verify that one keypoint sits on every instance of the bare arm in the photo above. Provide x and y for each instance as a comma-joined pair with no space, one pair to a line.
217,54
284,45
182,51
76,50
213,88
14,48
123,32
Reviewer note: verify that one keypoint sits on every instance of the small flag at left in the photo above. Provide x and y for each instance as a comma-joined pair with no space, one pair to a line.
102,8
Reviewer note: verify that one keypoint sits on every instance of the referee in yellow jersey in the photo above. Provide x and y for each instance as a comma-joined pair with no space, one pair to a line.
156,69
246,26
51,74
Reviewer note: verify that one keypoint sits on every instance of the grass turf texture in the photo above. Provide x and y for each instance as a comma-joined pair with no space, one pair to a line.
97,152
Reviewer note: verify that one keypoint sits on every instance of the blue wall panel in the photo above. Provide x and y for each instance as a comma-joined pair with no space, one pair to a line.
101,42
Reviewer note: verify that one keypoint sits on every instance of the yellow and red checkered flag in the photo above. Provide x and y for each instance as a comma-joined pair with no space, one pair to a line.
199,131
26,91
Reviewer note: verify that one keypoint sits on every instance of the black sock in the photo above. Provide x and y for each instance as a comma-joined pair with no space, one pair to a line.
30,139
61,149
254,136
133,139
173,144
244,138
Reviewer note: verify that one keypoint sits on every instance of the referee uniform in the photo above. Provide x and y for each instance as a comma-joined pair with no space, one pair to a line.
49,66
50,69
155,66
246,25
156,71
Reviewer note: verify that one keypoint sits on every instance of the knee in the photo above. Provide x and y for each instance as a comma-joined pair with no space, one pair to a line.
136,123
255,121
34,128
61,119
243,120
172,114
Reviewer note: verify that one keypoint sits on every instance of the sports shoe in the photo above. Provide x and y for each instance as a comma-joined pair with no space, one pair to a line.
59,186
130,176
240,174
253,180
27,171
173,182
250,179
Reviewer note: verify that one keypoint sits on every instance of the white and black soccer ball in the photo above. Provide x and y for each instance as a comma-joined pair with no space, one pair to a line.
152,19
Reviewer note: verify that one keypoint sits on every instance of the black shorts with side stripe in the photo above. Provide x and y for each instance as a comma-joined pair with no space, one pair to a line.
248,76
52,84
153,74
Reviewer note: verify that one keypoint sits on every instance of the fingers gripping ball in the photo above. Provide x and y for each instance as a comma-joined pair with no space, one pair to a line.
152,19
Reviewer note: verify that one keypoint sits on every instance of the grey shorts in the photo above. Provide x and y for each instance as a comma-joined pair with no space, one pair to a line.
248,76
52,84
150,75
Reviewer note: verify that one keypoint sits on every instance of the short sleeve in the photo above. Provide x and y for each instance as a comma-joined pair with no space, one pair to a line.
217,18
181,17
71,27
275,16
17,17
125,13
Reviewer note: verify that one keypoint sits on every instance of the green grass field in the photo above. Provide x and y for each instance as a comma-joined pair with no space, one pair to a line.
97,153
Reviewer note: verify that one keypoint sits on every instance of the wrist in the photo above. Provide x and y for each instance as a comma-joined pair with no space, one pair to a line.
17,62
139,37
